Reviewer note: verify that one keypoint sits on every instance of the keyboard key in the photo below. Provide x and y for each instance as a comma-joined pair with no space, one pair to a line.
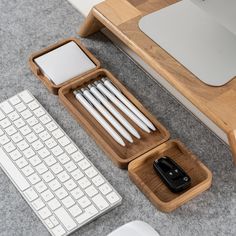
100,202
64,141
35,160
41,168
71,148
57,168
51,143
39,112
32,121
26,97
63,158
75,210
48,176
61,193
21,163
77,193
54,220
63,176
54,185
16,137
49,223
84,202
84,164
13,116
50,160
45,119
84,182
14,100
25,130
33,105
6,107
9,147
91,172
44,135
47,195
89,213
91,191
57,133
51,126
38,204
44,213
37,145
28,170
57,151
28,153
38,128
15,155
70,184
4,139
26,114
54,204
31,137
43,152
34,178
22,145
58,231
10,130
77,174
40,187
68,202
5,123
19,123
77,156
65,218
70,166
112,197
105,189
20,107
31,194
98,180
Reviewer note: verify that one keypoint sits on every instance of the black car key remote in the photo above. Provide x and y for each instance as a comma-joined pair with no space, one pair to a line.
172,174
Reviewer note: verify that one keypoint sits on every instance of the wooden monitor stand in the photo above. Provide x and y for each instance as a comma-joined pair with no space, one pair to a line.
122,17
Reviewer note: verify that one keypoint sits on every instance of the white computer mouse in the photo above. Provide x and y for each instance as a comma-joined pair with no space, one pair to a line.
135,228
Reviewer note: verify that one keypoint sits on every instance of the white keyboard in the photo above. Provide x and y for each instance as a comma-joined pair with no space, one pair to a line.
60,184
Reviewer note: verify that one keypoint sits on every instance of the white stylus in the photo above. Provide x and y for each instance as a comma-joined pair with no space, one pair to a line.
130,105
114,112
98,117
121,106
107,115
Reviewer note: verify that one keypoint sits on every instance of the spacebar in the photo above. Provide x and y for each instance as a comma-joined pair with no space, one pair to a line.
12,171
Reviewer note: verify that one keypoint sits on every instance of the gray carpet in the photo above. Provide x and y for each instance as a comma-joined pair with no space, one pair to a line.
27,26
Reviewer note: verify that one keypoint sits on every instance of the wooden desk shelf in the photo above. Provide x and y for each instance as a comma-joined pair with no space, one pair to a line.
122,17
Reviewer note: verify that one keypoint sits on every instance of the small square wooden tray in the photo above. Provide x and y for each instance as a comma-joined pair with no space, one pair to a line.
120,155
144,176
47,82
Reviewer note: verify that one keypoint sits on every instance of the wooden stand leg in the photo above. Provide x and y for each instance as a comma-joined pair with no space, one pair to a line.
232,143
90,26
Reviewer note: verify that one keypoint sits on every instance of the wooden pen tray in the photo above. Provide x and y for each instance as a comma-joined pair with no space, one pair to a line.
47,82
120,155
142,173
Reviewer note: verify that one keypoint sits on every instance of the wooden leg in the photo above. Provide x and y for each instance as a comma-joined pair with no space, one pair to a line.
232,143
90,26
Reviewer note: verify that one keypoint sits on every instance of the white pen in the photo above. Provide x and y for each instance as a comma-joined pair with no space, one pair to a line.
130,105
121,106
107,115
98,117
114,112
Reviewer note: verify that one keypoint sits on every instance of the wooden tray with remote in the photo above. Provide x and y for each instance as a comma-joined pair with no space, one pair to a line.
150,145
122,18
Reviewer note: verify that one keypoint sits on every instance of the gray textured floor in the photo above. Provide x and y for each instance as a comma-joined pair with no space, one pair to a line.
27,26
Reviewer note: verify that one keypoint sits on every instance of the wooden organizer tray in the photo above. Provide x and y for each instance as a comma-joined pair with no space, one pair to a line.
122,18
142,173
48,83
138,155
121,156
